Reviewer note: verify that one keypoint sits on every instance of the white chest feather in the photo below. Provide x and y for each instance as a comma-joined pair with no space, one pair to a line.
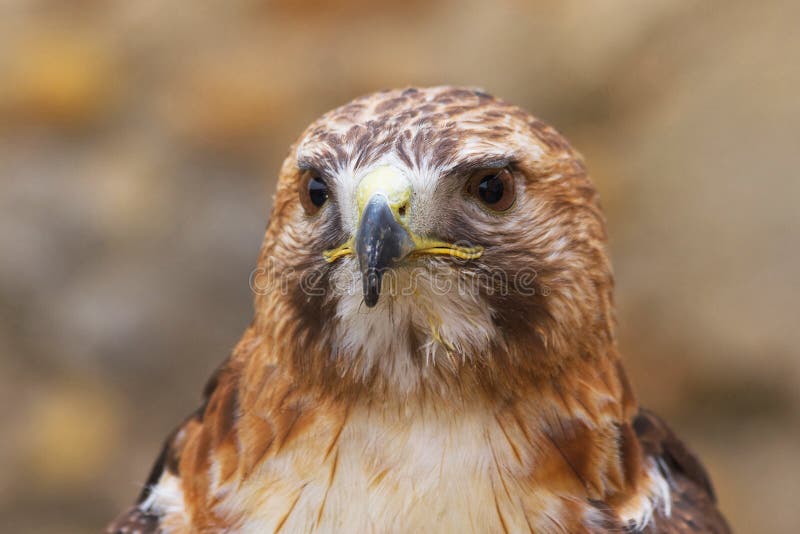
381,476
392,474
384,475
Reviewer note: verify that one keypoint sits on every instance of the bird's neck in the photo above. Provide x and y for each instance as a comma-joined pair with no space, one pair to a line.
567,396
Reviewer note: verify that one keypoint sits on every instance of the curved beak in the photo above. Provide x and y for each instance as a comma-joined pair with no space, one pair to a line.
380,243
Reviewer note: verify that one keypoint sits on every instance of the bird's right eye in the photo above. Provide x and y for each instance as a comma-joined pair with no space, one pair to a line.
313,192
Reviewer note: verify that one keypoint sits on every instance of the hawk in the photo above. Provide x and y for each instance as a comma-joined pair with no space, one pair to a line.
433,347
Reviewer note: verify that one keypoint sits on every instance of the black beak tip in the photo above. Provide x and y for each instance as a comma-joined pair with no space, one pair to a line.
372,288
371,299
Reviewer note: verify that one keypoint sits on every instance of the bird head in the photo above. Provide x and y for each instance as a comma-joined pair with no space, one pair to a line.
434,237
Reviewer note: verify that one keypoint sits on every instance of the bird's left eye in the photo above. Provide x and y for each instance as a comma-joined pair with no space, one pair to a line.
493,187
313,192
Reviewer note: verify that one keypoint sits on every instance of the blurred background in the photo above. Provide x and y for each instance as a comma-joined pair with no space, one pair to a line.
139,145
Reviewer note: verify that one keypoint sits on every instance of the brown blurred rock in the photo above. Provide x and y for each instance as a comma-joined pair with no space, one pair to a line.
227,100
69,433
57,77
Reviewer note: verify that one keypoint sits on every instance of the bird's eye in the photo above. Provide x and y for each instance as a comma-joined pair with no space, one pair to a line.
493,187
313,192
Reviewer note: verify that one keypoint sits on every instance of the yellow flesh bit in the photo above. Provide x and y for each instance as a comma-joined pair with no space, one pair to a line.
341,251
433,247
425,247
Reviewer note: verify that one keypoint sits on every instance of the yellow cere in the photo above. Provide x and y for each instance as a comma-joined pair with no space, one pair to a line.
387,181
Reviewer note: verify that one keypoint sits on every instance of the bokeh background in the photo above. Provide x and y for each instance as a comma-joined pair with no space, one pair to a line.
139,145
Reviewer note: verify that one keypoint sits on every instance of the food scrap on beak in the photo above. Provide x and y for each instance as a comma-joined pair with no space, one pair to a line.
383,238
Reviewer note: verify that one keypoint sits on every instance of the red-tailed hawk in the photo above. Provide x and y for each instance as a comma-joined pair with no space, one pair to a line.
433,347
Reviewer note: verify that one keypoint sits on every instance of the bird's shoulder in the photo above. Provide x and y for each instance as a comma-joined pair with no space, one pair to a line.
693,506
219,432
139,518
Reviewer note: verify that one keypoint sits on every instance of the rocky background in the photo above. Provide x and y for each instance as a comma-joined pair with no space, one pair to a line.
139,144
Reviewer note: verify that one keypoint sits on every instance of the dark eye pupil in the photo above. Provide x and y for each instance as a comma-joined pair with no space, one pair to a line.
490,189
317,192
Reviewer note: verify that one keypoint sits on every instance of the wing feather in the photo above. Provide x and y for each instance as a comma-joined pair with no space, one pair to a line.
694,504
135,520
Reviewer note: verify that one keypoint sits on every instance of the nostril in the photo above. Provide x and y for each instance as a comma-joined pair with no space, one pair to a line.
402,210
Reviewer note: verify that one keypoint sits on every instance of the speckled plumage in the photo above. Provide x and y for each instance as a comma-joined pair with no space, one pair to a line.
500,408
